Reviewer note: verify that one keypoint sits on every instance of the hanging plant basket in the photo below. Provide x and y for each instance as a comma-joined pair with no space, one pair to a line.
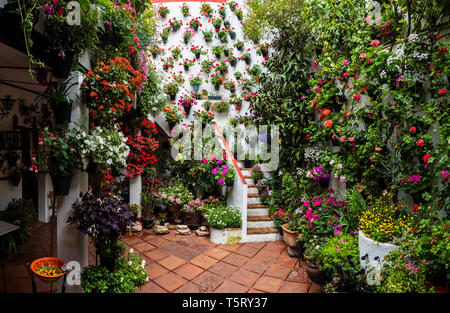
247,61
61,184
217,87
63,112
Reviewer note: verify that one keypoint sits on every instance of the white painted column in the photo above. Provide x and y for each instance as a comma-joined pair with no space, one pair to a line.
135,190
44,207
71,245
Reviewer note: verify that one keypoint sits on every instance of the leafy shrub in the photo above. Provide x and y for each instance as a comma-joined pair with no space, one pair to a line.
223,217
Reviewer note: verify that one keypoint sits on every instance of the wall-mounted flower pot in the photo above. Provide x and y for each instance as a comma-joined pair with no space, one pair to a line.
171,124
196,87
61,67
197,55
164,40
61,184
187,110
264,53
233,63
215,97
175,27
173,97
154,55
63,112
186,68
217,87
247,61
195,27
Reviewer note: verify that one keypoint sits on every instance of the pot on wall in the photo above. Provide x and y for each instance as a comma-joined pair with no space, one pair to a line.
173,97
63,112
61,67
61,184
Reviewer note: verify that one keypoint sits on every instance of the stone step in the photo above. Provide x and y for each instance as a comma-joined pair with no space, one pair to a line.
256,206
264,237
251,186
260,224
262,230
252,195
245,168
252,190
258,218
257,212
253,200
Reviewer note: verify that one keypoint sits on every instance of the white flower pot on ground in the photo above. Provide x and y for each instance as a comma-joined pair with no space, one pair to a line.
375,251
226,235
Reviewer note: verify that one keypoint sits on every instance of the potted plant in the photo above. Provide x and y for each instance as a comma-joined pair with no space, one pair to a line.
58,158
233,5
204,94
171,89
246,57
217,50
198,51
263,50
217,22
163,11
239,14
236,101
175,24
185,10
223,36
192,213
207,105
206,10
194,24
165,34
222,67
57,98
216,80
222,12
187,101
290,235
225,223
167,63
187,64
208,35
232,33
230,85
239,45
176,53
196,83
238,75
222,106
103,217
188,35
207,66
205,116
173,115
232,59
313,264
174,197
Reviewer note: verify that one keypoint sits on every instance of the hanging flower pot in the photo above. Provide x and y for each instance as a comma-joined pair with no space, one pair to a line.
62,65
217,87
171,124
61,184
233,63
197,55
173,97
196,87
186,68
247,61
187,110
63,112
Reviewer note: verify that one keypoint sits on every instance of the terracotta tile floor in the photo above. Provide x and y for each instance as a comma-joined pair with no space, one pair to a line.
192,264
183,264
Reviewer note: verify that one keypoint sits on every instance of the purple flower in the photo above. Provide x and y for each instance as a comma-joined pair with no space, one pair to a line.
214,171
221,181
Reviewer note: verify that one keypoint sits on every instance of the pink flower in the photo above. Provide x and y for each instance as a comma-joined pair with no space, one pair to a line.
367,20
412,129
318,202
345,62
357,97
445,175
397,80
219,162
362,55
345,74
374,43
342,139
351,139
204,161
178,201
221,181
420,142
314,102
214,171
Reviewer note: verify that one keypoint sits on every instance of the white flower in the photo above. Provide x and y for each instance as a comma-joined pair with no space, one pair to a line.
339,166
331,162
131,250
129,263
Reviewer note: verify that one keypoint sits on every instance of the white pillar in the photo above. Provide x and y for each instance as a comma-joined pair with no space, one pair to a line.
44,186
71,245
135,190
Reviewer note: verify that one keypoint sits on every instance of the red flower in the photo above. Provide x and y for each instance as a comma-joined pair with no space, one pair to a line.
420,142
426,157
412,129
442,91
413,230
416,208
356,97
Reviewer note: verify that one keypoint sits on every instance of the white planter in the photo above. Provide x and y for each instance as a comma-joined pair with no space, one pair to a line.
373,249
225,236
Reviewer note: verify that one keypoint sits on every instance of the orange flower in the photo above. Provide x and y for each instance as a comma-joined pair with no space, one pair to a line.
378,148
328,123
325,112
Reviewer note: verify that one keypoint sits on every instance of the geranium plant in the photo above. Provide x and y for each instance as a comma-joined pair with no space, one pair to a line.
163,11
206,10
175,195
208,35
194,24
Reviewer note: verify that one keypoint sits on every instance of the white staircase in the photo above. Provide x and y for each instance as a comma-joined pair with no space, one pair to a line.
260,226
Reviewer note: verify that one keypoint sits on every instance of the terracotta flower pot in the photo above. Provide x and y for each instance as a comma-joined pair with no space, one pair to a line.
315,274
290,238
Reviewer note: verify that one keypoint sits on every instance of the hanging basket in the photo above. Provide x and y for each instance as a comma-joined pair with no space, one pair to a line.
62,66
61,184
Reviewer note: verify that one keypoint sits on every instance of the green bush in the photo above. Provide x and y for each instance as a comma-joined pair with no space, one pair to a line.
223,217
